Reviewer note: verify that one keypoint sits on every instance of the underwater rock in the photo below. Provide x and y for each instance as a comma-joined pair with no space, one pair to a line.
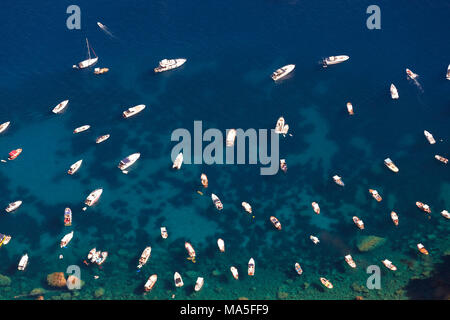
359,298
56,279
99,292
4,281
216,273
282,294
243,298
37,292
368,243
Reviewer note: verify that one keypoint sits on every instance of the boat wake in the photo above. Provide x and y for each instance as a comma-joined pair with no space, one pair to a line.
417,84
105,30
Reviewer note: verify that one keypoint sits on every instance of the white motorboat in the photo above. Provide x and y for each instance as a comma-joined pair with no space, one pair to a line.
411,74
251,267
221,245
350,108
23,262
448,72
4,126
282,72
283,165
441,158
133,110
93,197
247,207
89,61
445,214
102,138
338,180
169,64
216,201
234,272
60,106
231,136
314,239
74,168
359,223
102,258
13,206
100,70
81,129
178,161
128,161
191,251
281,127
389,264
164,233
350,261
391,165
178,280
66,239
394,92
150,282
334,60
144,257
199,284
429,137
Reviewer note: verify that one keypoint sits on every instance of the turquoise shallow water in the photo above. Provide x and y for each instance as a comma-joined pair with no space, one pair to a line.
231,49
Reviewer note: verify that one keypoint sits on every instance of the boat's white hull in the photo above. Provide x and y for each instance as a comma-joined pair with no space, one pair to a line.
93,197
169,64
4,126
75,167
13,206
87,63
394,92
133,111
60,107
129,161
282,72
335,59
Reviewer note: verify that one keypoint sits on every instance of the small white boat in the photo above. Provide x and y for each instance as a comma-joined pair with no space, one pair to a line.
315,207
169,64
81,129
283,165
411,74
350,108
359,223
4,126
74,168
282,72
89,61
281,127
349,260
23,262
133,110
251,267
178,161
394,217
221,245
429,137
178,280
216,201
128,161
144,257
199,284
190,250
276,223
334,60
102,138
66,239
164,233
445,214
375,194
314,239
234,272
93,197
60,106
13,206
204,180
100,70
394,92
150,282
338,180
448,72
231,136
441,159
247,207
389,265
391,165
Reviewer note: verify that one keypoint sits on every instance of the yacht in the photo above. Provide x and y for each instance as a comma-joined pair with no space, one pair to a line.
150,282
221,245
81,129
89,61
231,136
128,161
389,265
100,70
66,239
74,168
144,257
133,110
334,60
394,217
178,161
429,137
169,64
251,267
281,127
275,222
199,284
4,126
67,217
217,201
350,108
448,72
246,207
178,280
102,138
4,239
23,262
350,261
391,165
441,158
13,206
394,92
234,272
93,197
359,223
411,74
60,106
282,72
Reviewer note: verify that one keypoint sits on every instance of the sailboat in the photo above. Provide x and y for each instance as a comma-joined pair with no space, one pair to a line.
88,62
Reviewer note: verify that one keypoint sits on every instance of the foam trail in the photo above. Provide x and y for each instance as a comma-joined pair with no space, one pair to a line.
105,29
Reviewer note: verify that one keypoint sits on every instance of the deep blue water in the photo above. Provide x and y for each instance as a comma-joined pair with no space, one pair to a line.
232,47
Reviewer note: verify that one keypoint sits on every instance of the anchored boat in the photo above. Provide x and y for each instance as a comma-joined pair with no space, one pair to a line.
199,284
178,280
334,60
281,127
375,194
4,126
128,161
4,239
326,283
67,217
251,267
89,61
60,106
441,159
394,92
14,154
359,223
234,272
66,239
164,233
221,245
282,72
81,129
391,165
314,239
150,282
283,165
191,251
247,207
394,217
350,108
74,168
133,110
93,197
389,265
23,262
275,222
298,268
422,249
100,70
204,180
217,202
315,207
445,214
349,260
13,206
429,137
102,138
423,207
178,161
169,64
144,257
411,74
338,180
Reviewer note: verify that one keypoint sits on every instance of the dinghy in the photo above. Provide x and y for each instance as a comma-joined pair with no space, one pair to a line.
422,249
334,60
150,282
349,260
441,159
445,214
375,194
4,239
4,126
429,137
81,129
14,154
100,70
275,222
60,106
102,138
389,265
298,268
234,272
423,207
394,217
23,262
283,165
128,161
89,61
315,207
204,180
251,267
178,280
247,207
359,223
133,110
93,197
411,74
231,136
144,257
338,180
326,283
67,217
394,92
221,245
314,239
178,161
282,72
191,251
13,206
217,202
281,127
199,284
66,239
350,108
391,165
74,168
169,64
164,233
